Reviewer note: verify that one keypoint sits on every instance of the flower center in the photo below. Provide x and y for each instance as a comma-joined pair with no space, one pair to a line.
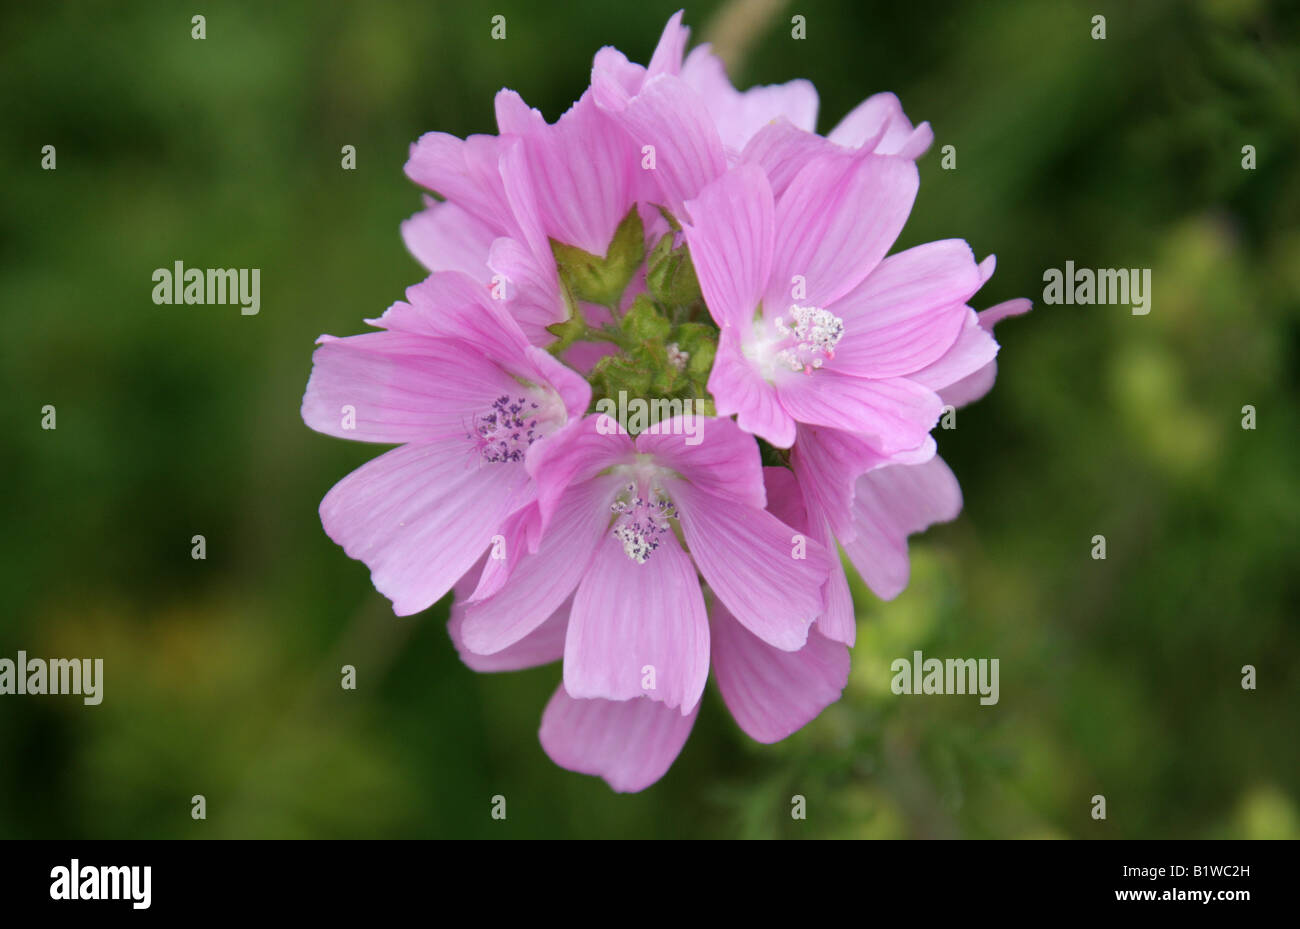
641,521
505,431
809,336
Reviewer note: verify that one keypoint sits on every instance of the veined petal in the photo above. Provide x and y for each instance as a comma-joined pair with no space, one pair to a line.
891,503
545,644
738,387
895,413
637,622
788,502
444,237
908,311
668,115
420,516
770,692
394,387
739,115
628,743
452,305
667,57
582,169
730,238
967,370
782,149
540,582
574,454
465,172
824,234
828,463
880,123
749,559
719,457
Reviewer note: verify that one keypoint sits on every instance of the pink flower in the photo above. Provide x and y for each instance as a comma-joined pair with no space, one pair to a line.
453,381
816,327
698,123
611,507
668,234
603,720
871,505
509,196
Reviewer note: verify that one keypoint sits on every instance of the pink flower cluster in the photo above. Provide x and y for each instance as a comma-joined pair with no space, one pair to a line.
642,561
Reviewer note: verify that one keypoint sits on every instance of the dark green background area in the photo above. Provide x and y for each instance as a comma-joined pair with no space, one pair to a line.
1118,677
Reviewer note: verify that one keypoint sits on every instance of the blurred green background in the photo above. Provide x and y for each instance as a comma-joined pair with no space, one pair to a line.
1118,677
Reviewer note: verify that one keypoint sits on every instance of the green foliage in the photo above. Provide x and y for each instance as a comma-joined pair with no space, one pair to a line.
597,279
671,278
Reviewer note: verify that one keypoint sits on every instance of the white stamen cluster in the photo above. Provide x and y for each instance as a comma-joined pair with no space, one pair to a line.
815,333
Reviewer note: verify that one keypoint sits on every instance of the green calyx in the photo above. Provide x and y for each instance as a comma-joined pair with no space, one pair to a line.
666,339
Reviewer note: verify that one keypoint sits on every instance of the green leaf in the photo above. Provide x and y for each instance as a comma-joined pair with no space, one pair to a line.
566,333
644,323
594,279
671,275
672,220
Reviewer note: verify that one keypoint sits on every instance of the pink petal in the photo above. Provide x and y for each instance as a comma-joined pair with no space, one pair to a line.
730,240
972,350
738,388
747,557
967,371
788,502
879,121
995,314
582,169
400,387
669,115
782,150
770,692
532,289
822,231
667,57
465,172
839,621
540,582
574,454
614,79
452,305
828,463
739,116
541,367
908,311
419,516
629,743
519,532
543,645
895,413
724,461
629,618
890,504
785,498
444,237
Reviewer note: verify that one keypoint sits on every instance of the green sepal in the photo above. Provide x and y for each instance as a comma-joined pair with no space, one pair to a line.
566,333
671,274
594,279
